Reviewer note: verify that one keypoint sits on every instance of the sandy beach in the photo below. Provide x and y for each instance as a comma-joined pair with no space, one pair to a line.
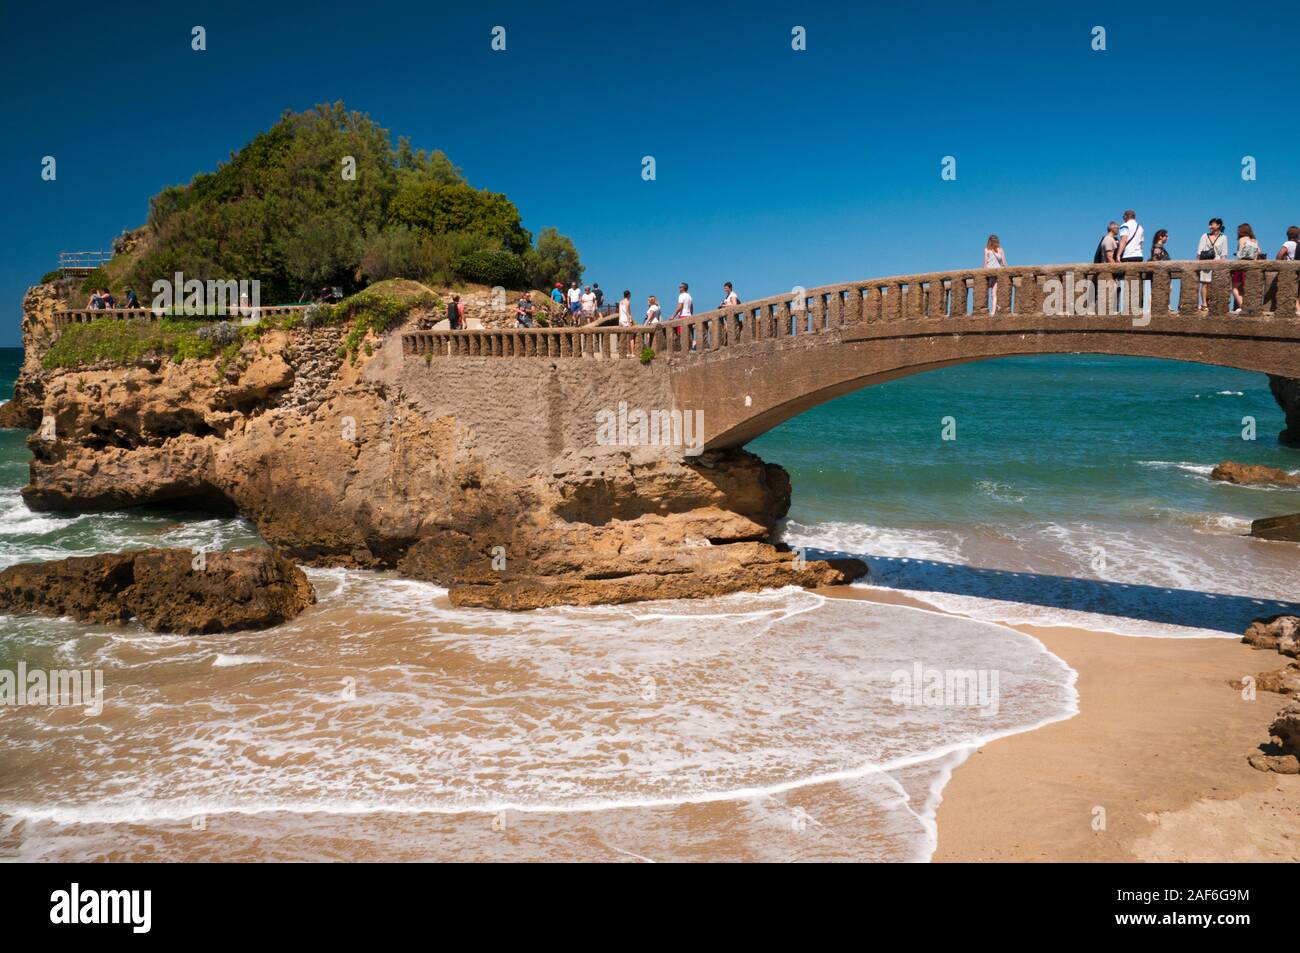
1159,744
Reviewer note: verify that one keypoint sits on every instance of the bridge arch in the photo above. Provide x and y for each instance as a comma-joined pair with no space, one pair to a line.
753,368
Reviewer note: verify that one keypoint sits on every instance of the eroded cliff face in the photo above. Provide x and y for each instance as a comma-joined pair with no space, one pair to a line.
483,474
1286,391
39,304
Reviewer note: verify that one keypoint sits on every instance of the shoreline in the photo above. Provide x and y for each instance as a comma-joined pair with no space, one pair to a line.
1156,752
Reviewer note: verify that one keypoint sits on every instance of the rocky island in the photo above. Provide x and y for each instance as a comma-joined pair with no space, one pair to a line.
343,454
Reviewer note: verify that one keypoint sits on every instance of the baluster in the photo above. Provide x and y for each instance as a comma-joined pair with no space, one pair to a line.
893,301
1002,287
980,293
936,298
1219,290
1161,288
914,306
1252,292
957,297
1288,285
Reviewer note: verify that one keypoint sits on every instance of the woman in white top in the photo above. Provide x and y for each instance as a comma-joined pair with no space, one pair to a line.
1213,246
653,311
994,257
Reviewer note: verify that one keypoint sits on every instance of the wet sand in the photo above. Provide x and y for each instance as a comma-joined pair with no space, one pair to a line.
1159,744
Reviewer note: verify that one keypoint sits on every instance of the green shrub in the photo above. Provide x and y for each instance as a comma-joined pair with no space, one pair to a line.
493,268
647,354
127,341
52,276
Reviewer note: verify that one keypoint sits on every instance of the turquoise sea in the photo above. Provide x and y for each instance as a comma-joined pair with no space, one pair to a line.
384,723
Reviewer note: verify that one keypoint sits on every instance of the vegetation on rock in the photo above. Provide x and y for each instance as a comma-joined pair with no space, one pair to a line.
325,198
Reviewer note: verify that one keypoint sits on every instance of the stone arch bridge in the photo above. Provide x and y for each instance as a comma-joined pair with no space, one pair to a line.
755,365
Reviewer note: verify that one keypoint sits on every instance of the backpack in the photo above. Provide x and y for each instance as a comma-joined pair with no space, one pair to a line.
1099,257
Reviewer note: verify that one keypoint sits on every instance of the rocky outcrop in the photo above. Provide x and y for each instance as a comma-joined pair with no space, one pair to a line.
39,304
167,590
1279,633
1281,681
1247,474
1286,391
1282,755
485,476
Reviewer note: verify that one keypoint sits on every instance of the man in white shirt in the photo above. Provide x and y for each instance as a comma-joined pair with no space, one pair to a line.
729,296
1130,250
575,301
685,303
1130,238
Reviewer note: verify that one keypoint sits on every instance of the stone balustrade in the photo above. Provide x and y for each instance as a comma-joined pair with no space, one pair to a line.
1052,293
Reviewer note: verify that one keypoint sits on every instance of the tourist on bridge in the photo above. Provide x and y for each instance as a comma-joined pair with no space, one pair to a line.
96,303
1130,239
575,302
994,257
1108,246
625,320
1290,250
653,313
600,296
1247,250
1213,246
588,305
729,297
1159,251
524,311
685,303
455,313
131,300
685,308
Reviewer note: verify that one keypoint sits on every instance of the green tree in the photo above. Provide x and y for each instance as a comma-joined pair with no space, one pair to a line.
438,208
554,259
323,197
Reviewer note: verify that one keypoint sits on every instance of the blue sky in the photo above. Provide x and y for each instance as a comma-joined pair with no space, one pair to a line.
775,168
